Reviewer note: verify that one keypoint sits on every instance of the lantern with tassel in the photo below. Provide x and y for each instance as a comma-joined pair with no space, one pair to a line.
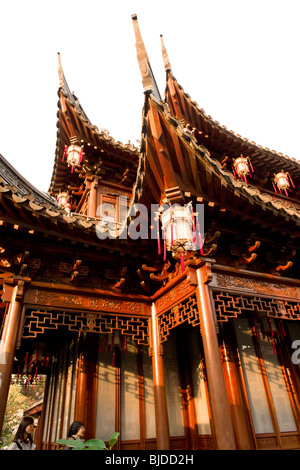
282,181
242,167
74,155
64,201
179,230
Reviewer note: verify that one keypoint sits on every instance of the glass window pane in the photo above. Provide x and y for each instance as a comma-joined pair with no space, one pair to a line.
105,412
198,383
149,395
130,428
253,378
280,397
173,388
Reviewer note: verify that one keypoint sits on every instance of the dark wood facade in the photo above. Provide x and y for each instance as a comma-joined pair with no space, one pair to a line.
203,357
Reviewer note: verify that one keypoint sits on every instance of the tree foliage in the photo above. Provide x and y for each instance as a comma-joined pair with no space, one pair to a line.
20,398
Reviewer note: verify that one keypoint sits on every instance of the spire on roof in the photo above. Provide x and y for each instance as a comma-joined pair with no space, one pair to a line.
60,72
148,79
165,55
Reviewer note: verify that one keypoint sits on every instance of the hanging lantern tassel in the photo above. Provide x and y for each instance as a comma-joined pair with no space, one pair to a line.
233,171
194,230
80,155
182,261
113,359
274,186
274,348
172,228
158,236
26,359
165,246
290,178
65,152
200,238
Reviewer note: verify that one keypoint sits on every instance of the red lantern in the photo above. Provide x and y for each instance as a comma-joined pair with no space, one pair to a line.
241,168
283,182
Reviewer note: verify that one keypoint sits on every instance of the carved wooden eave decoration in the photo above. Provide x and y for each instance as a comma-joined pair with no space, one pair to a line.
224,144
36,217
74,126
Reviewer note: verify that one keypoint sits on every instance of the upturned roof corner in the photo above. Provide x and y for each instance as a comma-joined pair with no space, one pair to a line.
148,80
60,72
166,59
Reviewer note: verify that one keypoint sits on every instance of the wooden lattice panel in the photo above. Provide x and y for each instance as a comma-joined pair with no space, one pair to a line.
186,310
228,305
37,321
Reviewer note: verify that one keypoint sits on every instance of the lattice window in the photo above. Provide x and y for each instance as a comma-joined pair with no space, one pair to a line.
228,305
37,321
186,310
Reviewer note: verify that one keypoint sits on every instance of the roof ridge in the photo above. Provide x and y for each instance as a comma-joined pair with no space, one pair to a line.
11,176
240,185
245,140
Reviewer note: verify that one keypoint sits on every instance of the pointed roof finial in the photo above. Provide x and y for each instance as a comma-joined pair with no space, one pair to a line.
60,72
165,55
148,79
142,56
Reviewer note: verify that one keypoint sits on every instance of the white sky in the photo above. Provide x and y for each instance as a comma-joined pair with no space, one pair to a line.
237,59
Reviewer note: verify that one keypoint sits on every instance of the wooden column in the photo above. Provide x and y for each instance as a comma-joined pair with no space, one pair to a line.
92,205
160,399
238,413
13,294
80,412
217,391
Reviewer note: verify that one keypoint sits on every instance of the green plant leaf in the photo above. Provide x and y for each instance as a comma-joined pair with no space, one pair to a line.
95,447
95,442
113,439
78,445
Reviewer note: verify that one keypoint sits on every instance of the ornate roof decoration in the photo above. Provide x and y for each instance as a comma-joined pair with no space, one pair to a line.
11,178
224,144
193,158
74,126
148,79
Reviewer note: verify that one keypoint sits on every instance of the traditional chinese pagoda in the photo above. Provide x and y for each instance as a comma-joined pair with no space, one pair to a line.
176,325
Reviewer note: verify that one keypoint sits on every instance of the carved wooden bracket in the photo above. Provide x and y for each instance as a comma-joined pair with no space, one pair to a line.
246,252
121,283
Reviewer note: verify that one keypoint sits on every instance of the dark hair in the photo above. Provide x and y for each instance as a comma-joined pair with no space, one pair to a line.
74,428
26,421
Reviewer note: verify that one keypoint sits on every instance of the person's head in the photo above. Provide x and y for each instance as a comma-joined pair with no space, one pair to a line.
76,429
25,429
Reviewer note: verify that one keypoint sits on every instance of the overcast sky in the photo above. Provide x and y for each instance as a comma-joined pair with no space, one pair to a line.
238,59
